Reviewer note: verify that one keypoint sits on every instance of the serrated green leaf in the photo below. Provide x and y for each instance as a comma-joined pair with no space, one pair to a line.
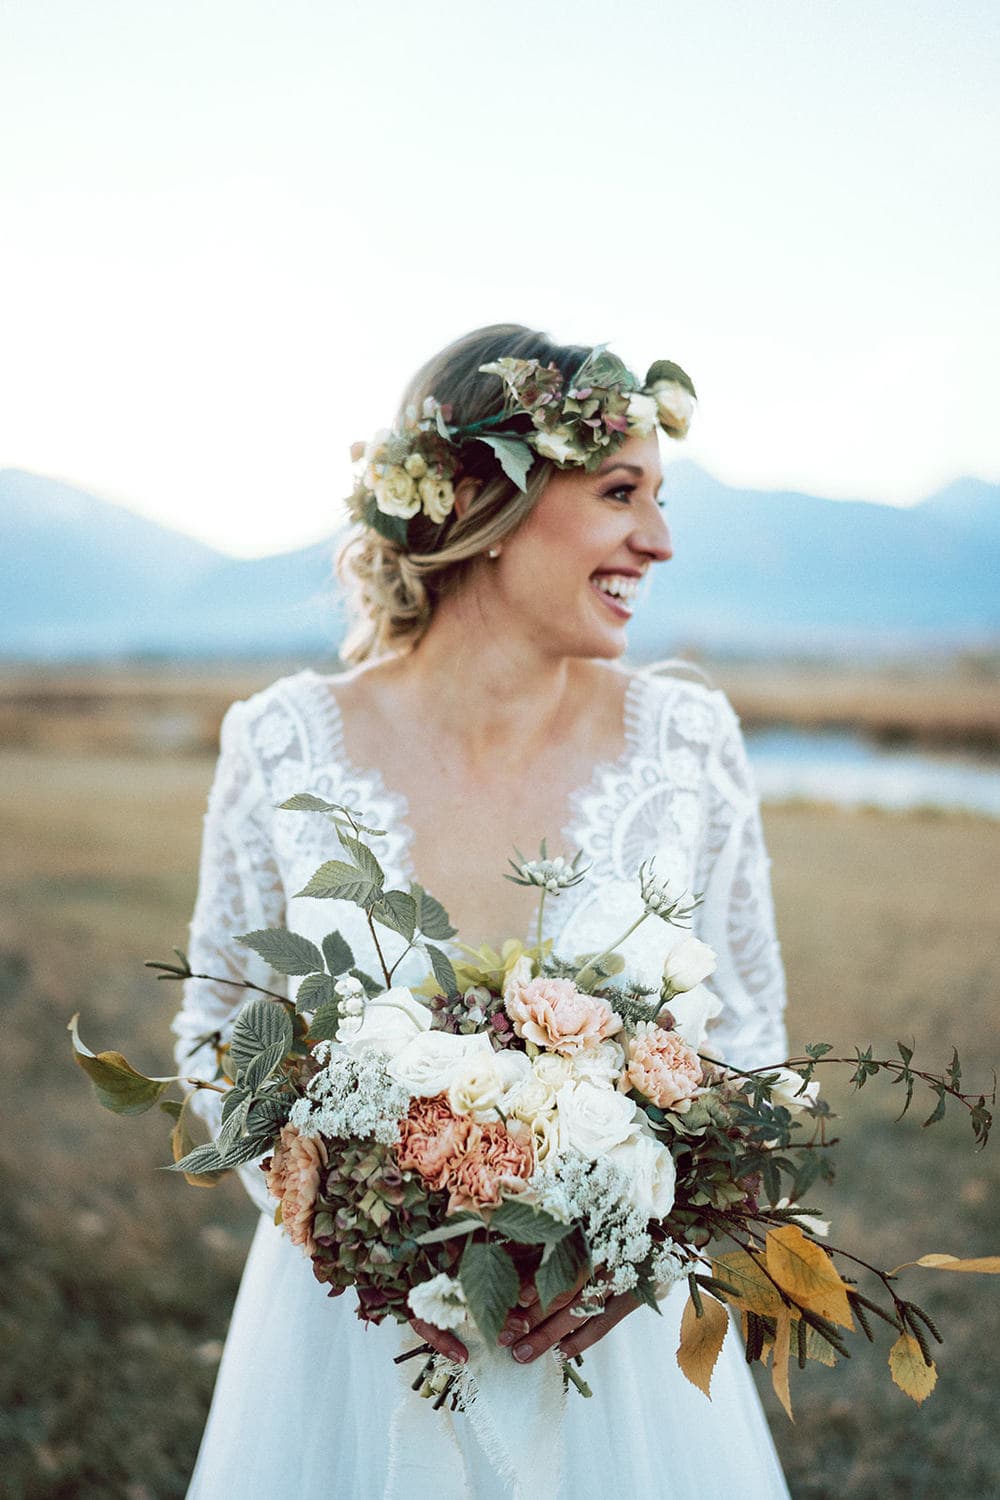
398,912
232,1099
247,1148
284,951
202,1160
432,919
260,1025
337,953
443,971
338,881
491,1285
371,986
561,1268
260,1068
528,1226
306,802
513,455
364,859
315,991
325,1023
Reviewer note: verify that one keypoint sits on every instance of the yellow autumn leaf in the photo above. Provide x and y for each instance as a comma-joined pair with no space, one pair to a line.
745,1272
779,1367
909,1370
988,1265
701,1341
805,1271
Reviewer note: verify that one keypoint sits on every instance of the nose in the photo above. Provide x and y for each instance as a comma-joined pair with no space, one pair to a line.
653,539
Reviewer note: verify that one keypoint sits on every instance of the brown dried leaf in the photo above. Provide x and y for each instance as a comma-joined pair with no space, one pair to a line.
701,1341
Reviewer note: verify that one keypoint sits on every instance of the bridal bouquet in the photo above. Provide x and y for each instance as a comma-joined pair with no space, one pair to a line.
526,1115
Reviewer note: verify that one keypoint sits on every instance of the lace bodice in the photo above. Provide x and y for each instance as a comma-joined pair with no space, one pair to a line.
681,792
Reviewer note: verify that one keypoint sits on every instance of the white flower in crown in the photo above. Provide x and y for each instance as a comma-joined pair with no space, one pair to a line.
557,446
415,465
675,406
437,497
396,493
642,414
440,1301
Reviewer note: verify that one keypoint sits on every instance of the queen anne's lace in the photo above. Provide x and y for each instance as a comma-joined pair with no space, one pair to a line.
680,793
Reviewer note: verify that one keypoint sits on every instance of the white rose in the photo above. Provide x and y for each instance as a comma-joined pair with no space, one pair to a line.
675,405
692,1012
531,1098
395,493
688,963
786,1091
652,1175
642,414
593,1120
427,1064
557,446
415,465
603,1064
552,1069
437,497
481,1083
439,1301
388,1022
544,1137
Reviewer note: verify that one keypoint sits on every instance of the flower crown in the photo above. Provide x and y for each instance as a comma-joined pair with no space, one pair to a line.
405,489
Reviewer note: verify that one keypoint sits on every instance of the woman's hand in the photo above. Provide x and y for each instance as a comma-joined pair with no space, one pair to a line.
441,1340
532,1333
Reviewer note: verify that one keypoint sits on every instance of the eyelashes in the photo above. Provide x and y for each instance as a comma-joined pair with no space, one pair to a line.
628,490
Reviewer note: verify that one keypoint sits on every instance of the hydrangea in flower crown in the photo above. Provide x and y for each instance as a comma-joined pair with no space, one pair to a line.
408,474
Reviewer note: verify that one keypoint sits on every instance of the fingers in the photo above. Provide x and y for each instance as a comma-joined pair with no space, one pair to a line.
594,1329
441,1340
528,1313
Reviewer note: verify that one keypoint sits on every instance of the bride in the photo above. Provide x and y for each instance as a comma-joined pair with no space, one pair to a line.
484,710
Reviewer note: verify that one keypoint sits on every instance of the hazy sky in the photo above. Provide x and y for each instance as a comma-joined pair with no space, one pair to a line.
230,230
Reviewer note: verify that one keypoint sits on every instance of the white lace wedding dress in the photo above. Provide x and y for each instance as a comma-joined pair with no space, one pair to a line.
306,1394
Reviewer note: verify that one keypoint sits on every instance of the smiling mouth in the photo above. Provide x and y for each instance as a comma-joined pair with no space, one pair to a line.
617,591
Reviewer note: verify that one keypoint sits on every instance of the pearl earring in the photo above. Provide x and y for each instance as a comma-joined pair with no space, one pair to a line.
493,552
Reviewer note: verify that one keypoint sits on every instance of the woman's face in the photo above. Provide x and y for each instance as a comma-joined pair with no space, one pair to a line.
571,572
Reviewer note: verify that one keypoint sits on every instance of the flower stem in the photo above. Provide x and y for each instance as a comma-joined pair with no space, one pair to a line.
594,963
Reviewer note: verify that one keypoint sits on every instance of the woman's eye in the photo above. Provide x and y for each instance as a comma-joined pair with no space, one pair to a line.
621,492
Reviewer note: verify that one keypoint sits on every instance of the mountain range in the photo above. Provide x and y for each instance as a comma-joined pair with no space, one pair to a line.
753,572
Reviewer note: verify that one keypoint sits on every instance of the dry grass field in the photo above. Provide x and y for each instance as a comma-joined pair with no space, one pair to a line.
117,1280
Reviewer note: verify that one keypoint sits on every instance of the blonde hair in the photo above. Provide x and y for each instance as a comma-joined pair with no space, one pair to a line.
392,593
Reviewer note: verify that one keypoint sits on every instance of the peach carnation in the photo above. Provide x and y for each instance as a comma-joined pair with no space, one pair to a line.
495,1159
553,1013
292,1176
432,1138
662,1066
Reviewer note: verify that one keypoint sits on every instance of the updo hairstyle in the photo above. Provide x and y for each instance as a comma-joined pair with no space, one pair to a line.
392,593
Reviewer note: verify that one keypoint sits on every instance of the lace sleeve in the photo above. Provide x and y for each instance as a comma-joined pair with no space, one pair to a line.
239,890
737,917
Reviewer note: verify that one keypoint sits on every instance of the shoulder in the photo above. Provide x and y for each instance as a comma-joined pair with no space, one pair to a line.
678,696
267,721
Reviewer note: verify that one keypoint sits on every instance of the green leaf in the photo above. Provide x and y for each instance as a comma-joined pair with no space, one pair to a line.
645,1290
398,912
315,991
513,455
306,802
364,859
372,987
172,1107
561,1267
260,1068
337,953
247,1148
491,1284
119,1087
665,369
338,881
528,1226
432,919
260,1026
393,528
325,1023
199,1162
286,952
604,369
939,1108
905,1052
443,971
450,1230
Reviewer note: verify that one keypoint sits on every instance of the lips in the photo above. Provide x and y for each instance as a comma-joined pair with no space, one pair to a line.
617,591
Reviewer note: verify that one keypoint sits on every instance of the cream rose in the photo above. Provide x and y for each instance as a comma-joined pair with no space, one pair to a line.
642,414
482,1084
415,465
429,1062
437,497
688,963
530,1098
593,1120
396,493
544,1130
652,1175
675,405
388,1022
552,1069
557,446
786,1091
692,1012
603,1064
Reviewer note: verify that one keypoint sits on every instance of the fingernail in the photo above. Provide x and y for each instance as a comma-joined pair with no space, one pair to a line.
523,1352
506,1339
527,1297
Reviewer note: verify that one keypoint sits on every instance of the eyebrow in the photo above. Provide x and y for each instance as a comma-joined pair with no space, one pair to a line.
609,467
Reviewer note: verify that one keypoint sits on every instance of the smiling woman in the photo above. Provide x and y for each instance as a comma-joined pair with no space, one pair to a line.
505,526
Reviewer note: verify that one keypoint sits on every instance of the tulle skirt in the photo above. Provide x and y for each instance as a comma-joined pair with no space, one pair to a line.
306,1393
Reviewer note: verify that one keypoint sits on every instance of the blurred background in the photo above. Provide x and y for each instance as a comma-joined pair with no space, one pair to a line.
230,232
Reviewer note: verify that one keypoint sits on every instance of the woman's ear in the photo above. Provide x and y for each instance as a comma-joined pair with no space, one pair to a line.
465,492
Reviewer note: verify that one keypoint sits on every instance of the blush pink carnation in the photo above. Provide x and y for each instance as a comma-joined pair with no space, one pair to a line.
432,1140
292,1175
495,1159
662,1066
554,1014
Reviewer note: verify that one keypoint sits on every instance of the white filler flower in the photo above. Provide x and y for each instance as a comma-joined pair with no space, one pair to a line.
439,1301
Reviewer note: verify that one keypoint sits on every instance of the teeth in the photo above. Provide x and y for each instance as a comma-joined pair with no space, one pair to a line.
618,586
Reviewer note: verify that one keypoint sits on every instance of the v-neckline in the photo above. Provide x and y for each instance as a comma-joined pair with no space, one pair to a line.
572,833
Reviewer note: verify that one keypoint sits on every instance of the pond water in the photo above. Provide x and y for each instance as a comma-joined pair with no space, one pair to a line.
845,768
